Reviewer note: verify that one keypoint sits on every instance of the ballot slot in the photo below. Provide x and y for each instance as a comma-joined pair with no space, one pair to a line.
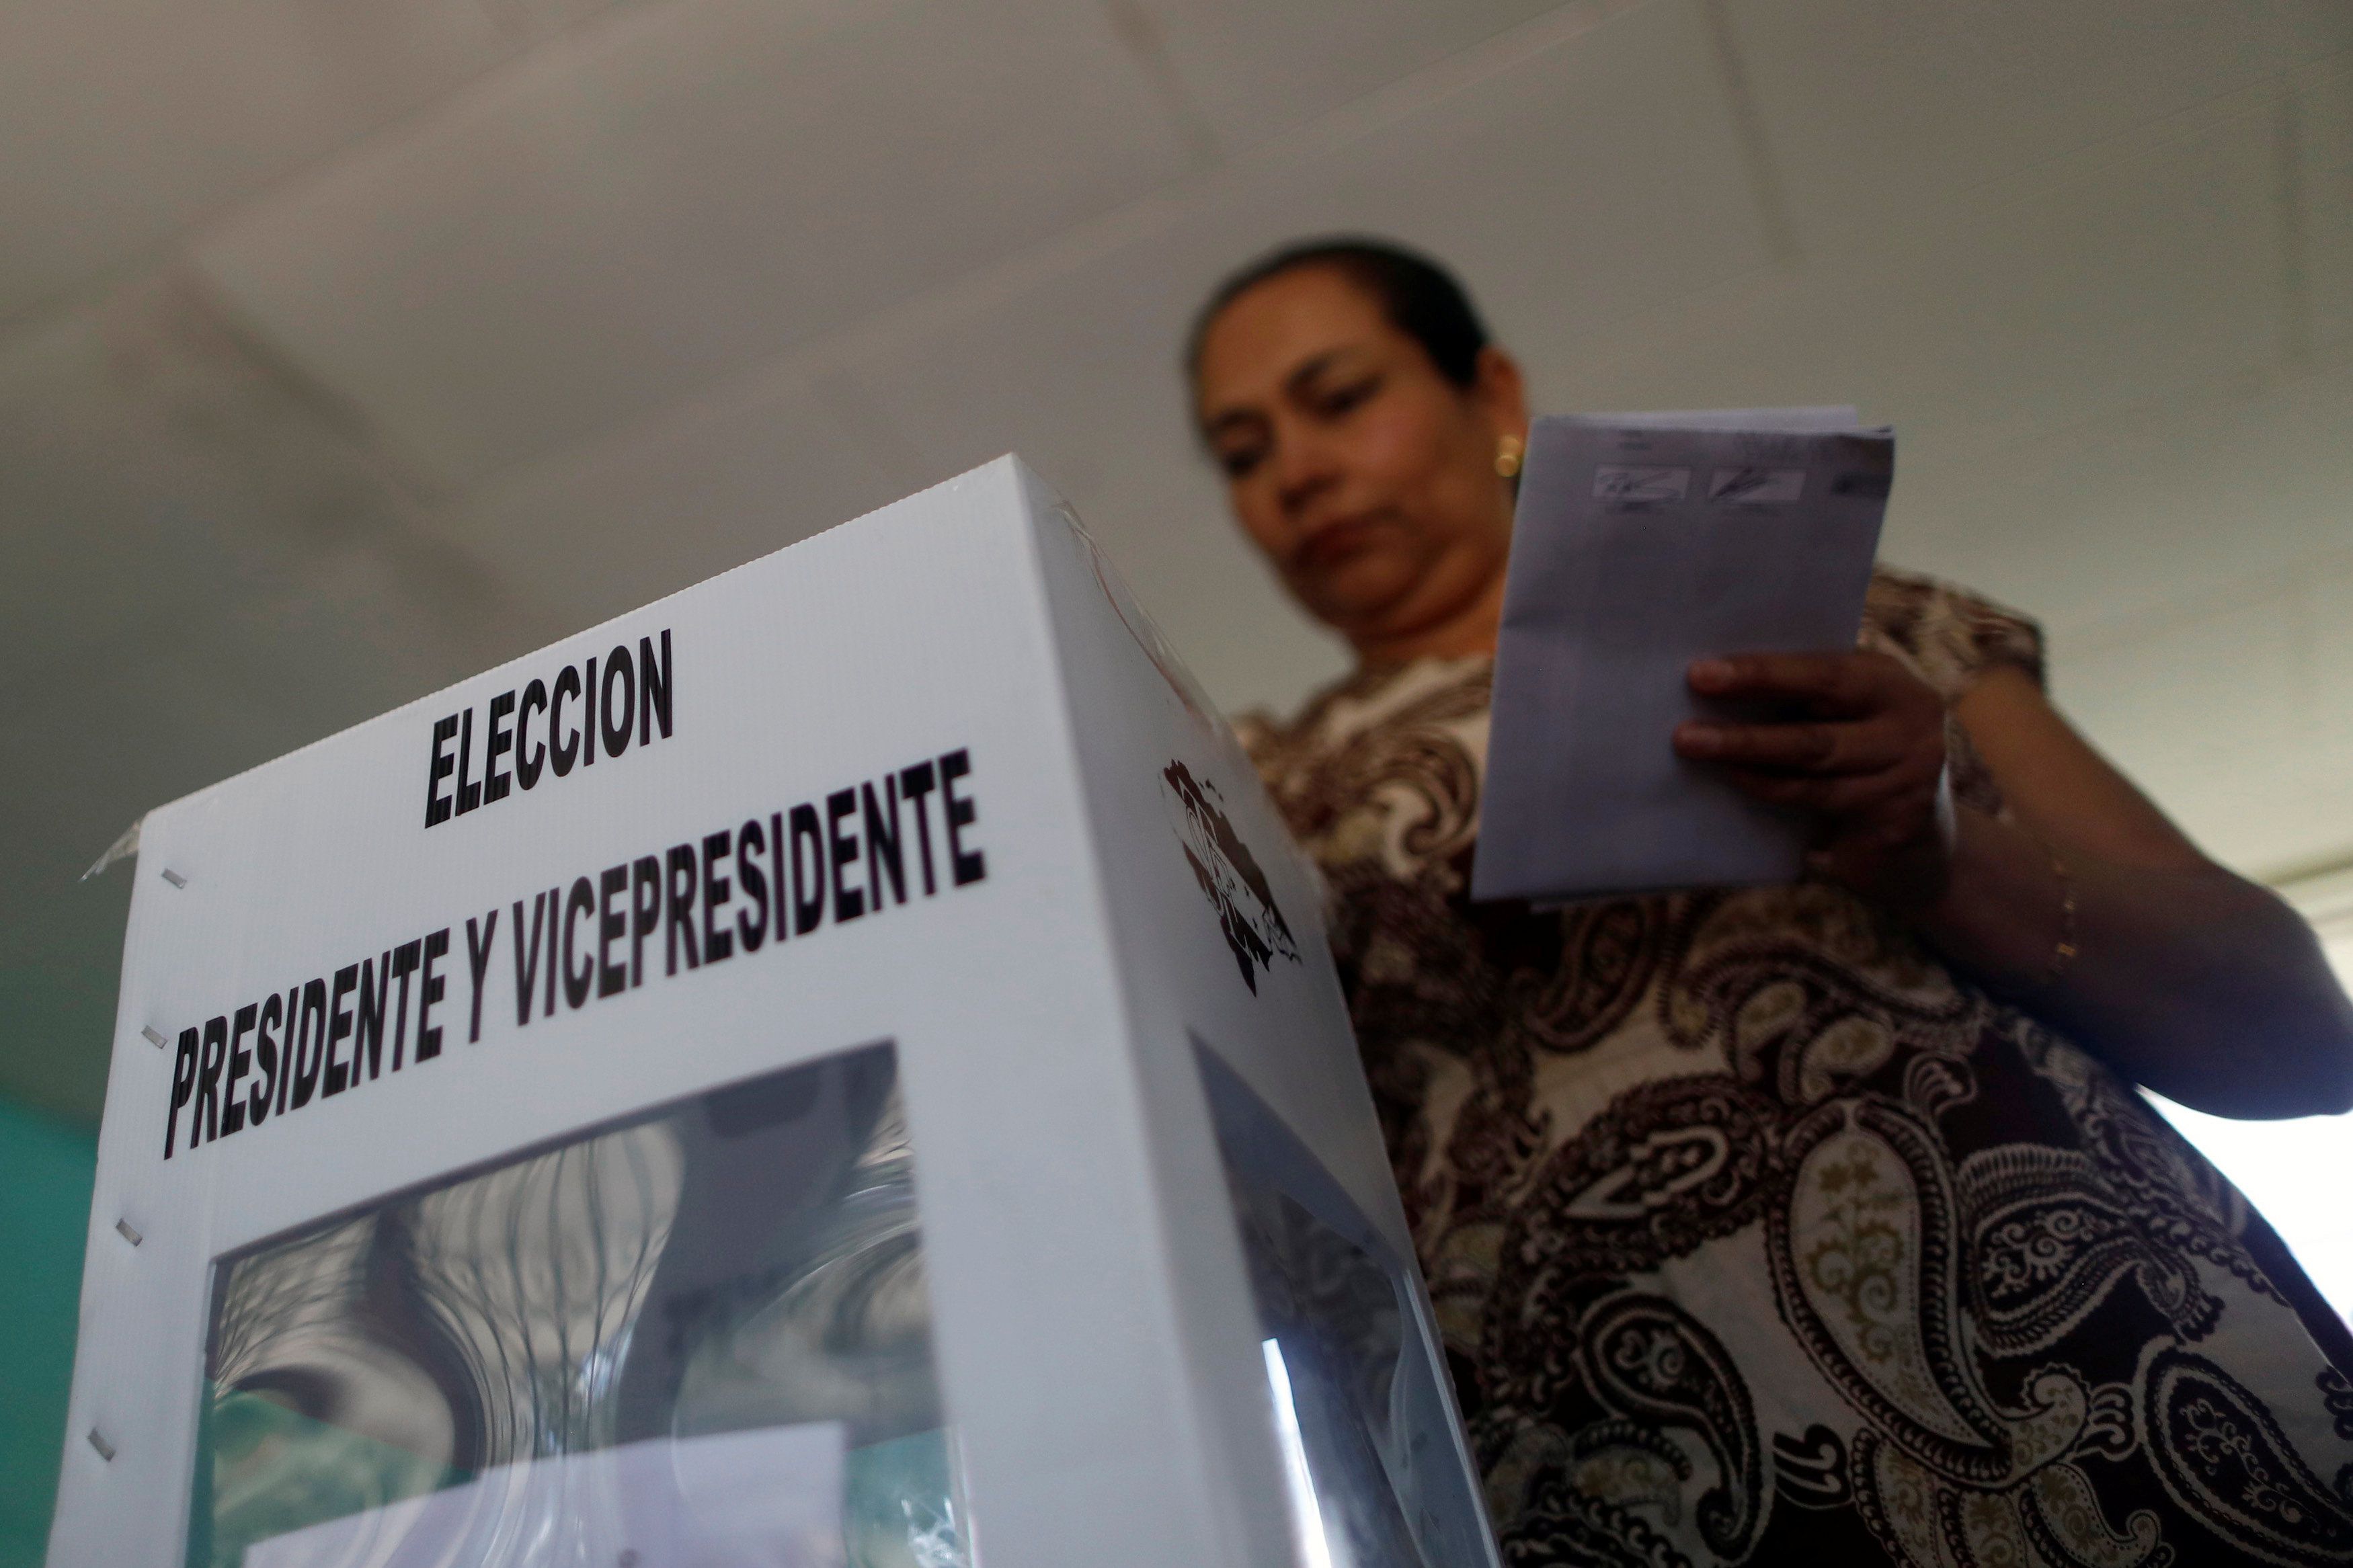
698,1336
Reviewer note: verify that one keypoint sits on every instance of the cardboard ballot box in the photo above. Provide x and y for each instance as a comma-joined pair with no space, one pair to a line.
839,1067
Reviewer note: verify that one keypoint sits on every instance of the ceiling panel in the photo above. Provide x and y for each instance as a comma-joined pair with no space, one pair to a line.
745,469
1580,182
155,466
2183,501
127,120
1877,111
1256,67
2095,283
2323,128
642,206
537,20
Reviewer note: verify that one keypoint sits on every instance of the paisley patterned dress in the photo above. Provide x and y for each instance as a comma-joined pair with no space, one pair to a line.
1757,1234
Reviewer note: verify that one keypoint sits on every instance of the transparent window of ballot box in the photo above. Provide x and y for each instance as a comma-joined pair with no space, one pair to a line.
1351,1358
701,1337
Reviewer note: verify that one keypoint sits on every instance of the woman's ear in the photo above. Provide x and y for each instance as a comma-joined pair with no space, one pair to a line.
1500,393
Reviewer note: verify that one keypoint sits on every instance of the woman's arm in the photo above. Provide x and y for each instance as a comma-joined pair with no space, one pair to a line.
2185,977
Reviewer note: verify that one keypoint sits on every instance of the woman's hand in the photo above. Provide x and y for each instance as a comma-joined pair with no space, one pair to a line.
1862,753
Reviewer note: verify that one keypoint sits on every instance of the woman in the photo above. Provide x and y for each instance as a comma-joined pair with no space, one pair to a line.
1816,1220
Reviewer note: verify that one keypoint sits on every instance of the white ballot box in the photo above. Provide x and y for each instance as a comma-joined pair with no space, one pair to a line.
839,1067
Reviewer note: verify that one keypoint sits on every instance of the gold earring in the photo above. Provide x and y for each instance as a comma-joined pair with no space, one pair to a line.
1508,452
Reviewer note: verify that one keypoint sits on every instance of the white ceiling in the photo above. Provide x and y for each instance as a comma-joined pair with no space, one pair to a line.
343,349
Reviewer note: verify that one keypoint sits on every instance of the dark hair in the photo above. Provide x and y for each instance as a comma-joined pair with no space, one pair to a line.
1421,299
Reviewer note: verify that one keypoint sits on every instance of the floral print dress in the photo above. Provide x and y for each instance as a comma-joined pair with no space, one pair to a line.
1757,1234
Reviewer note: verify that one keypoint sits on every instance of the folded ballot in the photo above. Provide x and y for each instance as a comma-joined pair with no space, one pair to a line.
1643,542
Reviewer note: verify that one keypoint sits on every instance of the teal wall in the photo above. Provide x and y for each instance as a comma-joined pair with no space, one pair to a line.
45,1168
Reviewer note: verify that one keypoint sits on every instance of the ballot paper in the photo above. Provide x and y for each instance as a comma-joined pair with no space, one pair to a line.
1643,542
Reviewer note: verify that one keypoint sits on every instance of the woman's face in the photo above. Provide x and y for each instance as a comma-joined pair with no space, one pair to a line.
1365,476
